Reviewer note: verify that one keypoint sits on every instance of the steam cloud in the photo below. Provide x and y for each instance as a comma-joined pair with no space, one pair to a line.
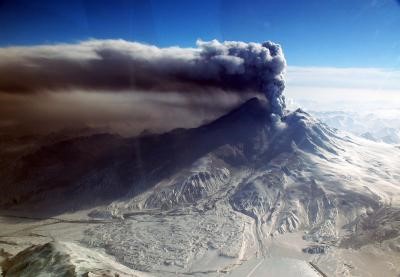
118,65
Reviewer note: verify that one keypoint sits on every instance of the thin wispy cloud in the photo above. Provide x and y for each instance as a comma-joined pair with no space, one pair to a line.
347,86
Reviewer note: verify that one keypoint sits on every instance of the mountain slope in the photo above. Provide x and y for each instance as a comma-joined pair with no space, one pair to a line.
63,259
103,162
300,177
219,197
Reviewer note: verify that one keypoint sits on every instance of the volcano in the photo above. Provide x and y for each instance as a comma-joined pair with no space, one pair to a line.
246,194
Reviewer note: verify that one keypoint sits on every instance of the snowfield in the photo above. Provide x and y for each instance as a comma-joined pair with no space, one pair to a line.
240,196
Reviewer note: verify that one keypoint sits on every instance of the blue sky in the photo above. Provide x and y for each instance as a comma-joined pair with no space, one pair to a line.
334,33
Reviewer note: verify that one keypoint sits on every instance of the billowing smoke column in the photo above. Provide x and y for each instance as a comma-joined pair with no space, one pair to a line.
249,66
118,65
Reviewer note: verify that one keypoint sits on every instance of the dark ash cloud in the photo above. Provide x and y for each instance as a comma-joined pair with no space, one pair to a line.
129,86
124,113
118,65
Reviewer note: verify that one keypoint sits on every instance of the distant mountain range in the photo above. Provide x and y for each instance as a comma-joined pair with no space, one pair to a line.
371,125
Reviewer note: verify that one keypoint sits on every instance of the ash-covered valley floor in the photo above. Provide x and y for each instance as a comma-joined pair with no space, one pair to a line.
241,196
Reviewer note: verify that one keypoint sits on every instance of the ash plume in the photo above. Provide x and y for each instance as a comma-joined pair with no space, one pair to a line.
119,67
122,65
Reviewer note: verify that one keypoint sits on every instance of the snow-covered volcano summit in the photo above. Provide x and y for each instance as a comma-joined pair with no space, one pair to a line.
225,196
